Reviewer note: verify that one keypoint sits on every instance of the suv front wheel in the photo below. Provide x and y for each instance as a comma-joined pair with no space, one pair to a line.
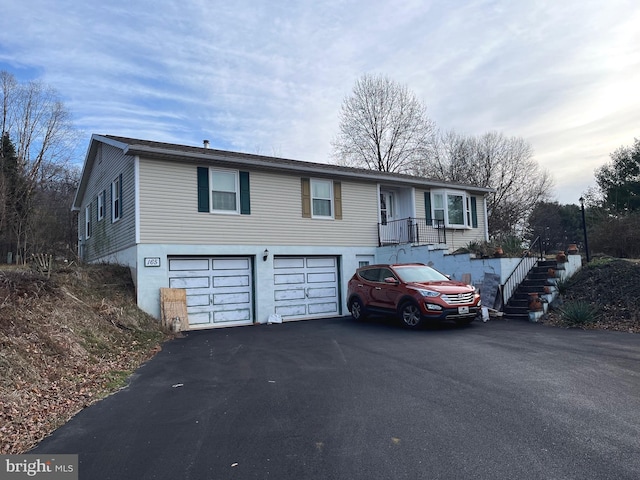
410,315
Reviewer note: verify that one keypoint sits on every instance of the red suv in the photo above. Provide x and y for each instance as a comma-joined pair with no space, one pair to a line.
414,292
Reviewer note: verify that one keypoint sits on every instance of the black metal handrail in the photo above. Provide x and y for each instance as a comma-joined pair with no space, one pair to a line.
417,231
522,269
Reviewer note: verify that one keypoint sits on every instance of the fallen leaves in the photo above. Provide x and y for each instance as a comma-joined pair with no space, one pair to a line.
57,353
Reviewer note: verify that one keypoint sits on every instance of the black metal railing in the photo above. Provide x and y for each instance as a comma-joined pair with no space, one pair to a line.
527,262
416,231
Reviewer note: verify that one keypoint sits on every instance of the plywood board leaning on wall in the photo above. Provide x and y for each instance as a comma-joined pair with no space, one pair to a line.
173,308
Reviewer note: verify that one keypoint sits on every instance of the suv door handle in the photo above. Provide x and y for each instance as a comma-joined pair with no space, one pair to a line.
378,288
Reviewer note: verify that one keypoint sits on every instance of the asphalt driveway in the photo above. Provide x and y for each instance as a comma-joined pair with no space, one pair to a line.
336,399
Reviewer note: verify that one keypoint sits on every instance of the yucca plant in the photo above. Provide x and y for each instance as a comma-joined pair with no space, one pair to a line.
563,286
579,313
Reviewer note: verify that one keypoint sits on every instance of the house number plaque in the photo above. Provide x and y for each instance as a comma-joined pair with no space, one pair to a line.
152,261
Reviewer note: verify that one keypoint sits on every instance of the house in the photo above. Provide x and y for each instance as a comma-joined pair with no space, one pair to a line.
249,236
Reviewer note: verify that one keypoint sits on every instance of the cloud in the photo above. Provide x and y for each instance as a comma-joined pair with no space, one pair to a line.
270,77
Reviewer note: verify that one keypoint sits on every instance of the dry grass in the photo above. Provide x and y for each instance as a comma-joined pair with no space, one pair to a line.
65,342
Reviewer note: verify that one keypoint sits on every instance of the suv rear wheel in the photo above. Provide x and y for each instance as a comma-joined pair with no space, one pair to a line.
357,309
410,314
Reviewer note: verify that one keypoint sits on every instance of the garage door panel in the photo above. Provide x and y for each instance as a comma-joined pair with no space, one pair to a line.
288,262
198,300
199,318
292,310
321,277
288,279
325,307
230,264
231,281
289,294
321,262
177,265
189,282
329,292
226,316
231,298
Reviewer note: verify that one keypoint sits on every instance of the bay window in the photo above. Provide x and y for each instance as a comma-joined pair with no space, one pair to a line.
453,207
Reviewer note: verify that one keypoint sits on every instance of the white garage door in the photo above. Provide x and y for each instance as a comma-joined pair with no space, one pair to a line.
219,289
306,287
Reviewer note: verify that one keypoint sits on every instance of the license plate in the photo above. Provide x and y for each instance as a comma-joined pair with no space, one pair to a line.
463,310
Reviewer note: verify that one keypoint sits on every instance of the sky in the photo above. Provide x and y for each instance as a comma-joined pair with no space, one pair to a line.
269,77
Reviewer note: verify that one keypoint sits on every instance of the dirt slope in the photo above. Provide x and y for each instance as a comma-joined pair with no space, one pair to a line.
612,288
65,342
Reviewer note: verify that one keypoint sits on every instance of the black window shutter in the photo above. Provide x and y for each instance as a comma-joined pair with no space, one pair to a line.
120,197
109,204
474,213
245,198
203,189
427,206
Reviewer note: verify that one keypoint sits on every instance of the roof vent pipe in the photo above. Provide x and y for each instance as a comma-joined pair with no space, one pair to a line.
206,143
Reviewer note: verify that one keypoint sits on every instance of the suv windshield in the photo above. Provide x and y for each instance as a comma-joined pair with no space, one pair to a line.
417,273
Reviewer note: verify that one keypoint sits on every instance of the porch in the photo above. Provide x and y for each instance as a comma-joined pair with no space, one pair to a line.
413,231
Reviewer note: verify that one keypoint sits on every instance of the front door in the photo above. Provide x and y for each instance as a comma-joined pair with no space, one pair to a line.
387,217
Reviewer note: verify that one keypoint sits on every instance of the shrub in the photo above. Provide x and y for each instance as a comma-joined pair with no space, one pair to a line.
511,247
579,313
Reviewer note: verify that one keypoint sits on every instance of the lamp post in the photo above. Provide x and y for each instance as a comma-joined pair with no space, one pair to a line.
584,229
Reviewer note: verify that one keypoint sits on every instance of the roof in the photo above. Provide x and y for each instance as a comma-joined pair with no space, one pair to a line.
203,155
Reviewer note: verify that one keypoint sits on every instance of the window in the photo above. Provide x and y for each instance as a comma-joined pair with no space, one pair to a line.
438,206
453,207
224,191
322,198
371,274
101,196
116,199
376,274
87,221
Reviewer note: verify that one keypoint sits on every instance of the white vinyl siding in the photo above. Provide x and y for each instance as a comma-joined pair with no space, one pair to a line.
276,212
107,237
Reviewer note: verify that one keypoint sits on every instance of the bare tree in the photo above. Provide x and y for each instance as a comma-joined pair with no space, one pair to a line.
383,126
40,127
492,160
